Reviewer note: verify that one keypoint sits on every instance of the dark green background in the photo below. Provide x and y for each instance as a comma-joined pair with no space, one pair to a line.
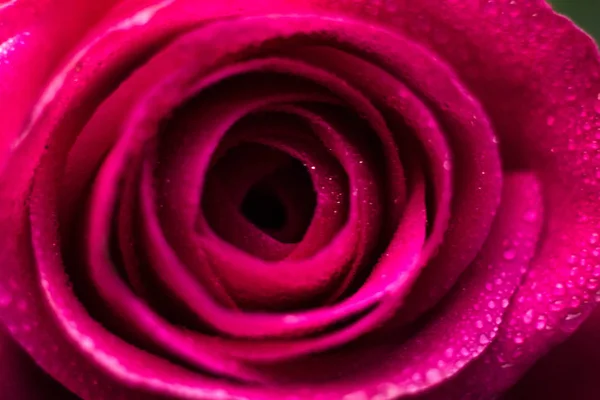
586,13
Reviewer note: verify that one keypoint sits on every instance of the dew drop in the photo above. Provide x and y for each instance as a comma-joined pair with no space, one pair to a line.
291,319
433,376
572,316
541,323
518,339
483,339
510,254
416,377
528,317
87,343
446,165
491,304
557,305
449,352
559,289
550,120
575,302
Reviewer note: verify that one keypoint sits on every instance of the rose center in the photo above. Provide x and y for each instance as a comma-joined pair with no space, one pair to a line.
264,208
273,203
269,190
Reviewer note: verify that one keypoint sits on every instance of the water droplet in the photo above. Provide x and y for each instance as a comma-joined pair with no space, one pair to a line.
483,339
541,323
571,316
510,254
550,120
449,352
87,343
291,319
433,376
491,304
479,324
518,339
504,303
559,289
575,302
557,305
528,317
447,165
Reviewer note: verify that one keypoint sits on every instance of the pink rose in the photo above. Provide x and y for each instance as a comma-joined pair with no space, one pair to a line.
295,199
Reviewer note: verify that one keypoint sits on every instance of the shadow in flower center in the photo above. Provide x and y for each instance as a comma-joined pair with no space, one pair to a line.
264,209
271,195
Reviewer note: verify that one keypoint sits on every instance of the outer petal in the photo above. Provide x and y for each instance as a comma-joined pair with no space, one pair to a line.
34,38
570,371
552,68
20,378
542,61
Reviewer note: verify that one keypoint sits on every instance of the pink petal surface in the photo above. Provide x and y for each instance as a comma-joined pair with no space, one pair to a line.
21,378
41,30
568,371
551,66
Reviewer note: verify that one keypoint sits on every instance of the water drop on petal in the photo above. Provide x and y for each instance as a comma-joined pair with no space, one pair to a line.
509,254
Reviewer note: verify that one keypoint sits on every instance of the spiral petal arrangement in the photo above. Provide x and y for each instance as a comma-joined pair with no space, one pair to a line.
305,200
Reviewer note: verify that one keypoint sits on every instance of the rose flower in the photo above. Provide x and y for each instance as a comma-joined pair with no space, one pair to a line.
308,200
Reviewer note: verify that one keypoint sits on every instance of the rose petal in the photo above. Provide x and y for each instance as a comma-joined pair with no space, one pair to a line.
20,378
497,69
569,370
44,32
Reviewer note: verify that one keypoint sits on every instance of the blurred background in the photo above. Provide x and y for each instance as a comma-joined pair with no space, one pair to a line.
586,13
